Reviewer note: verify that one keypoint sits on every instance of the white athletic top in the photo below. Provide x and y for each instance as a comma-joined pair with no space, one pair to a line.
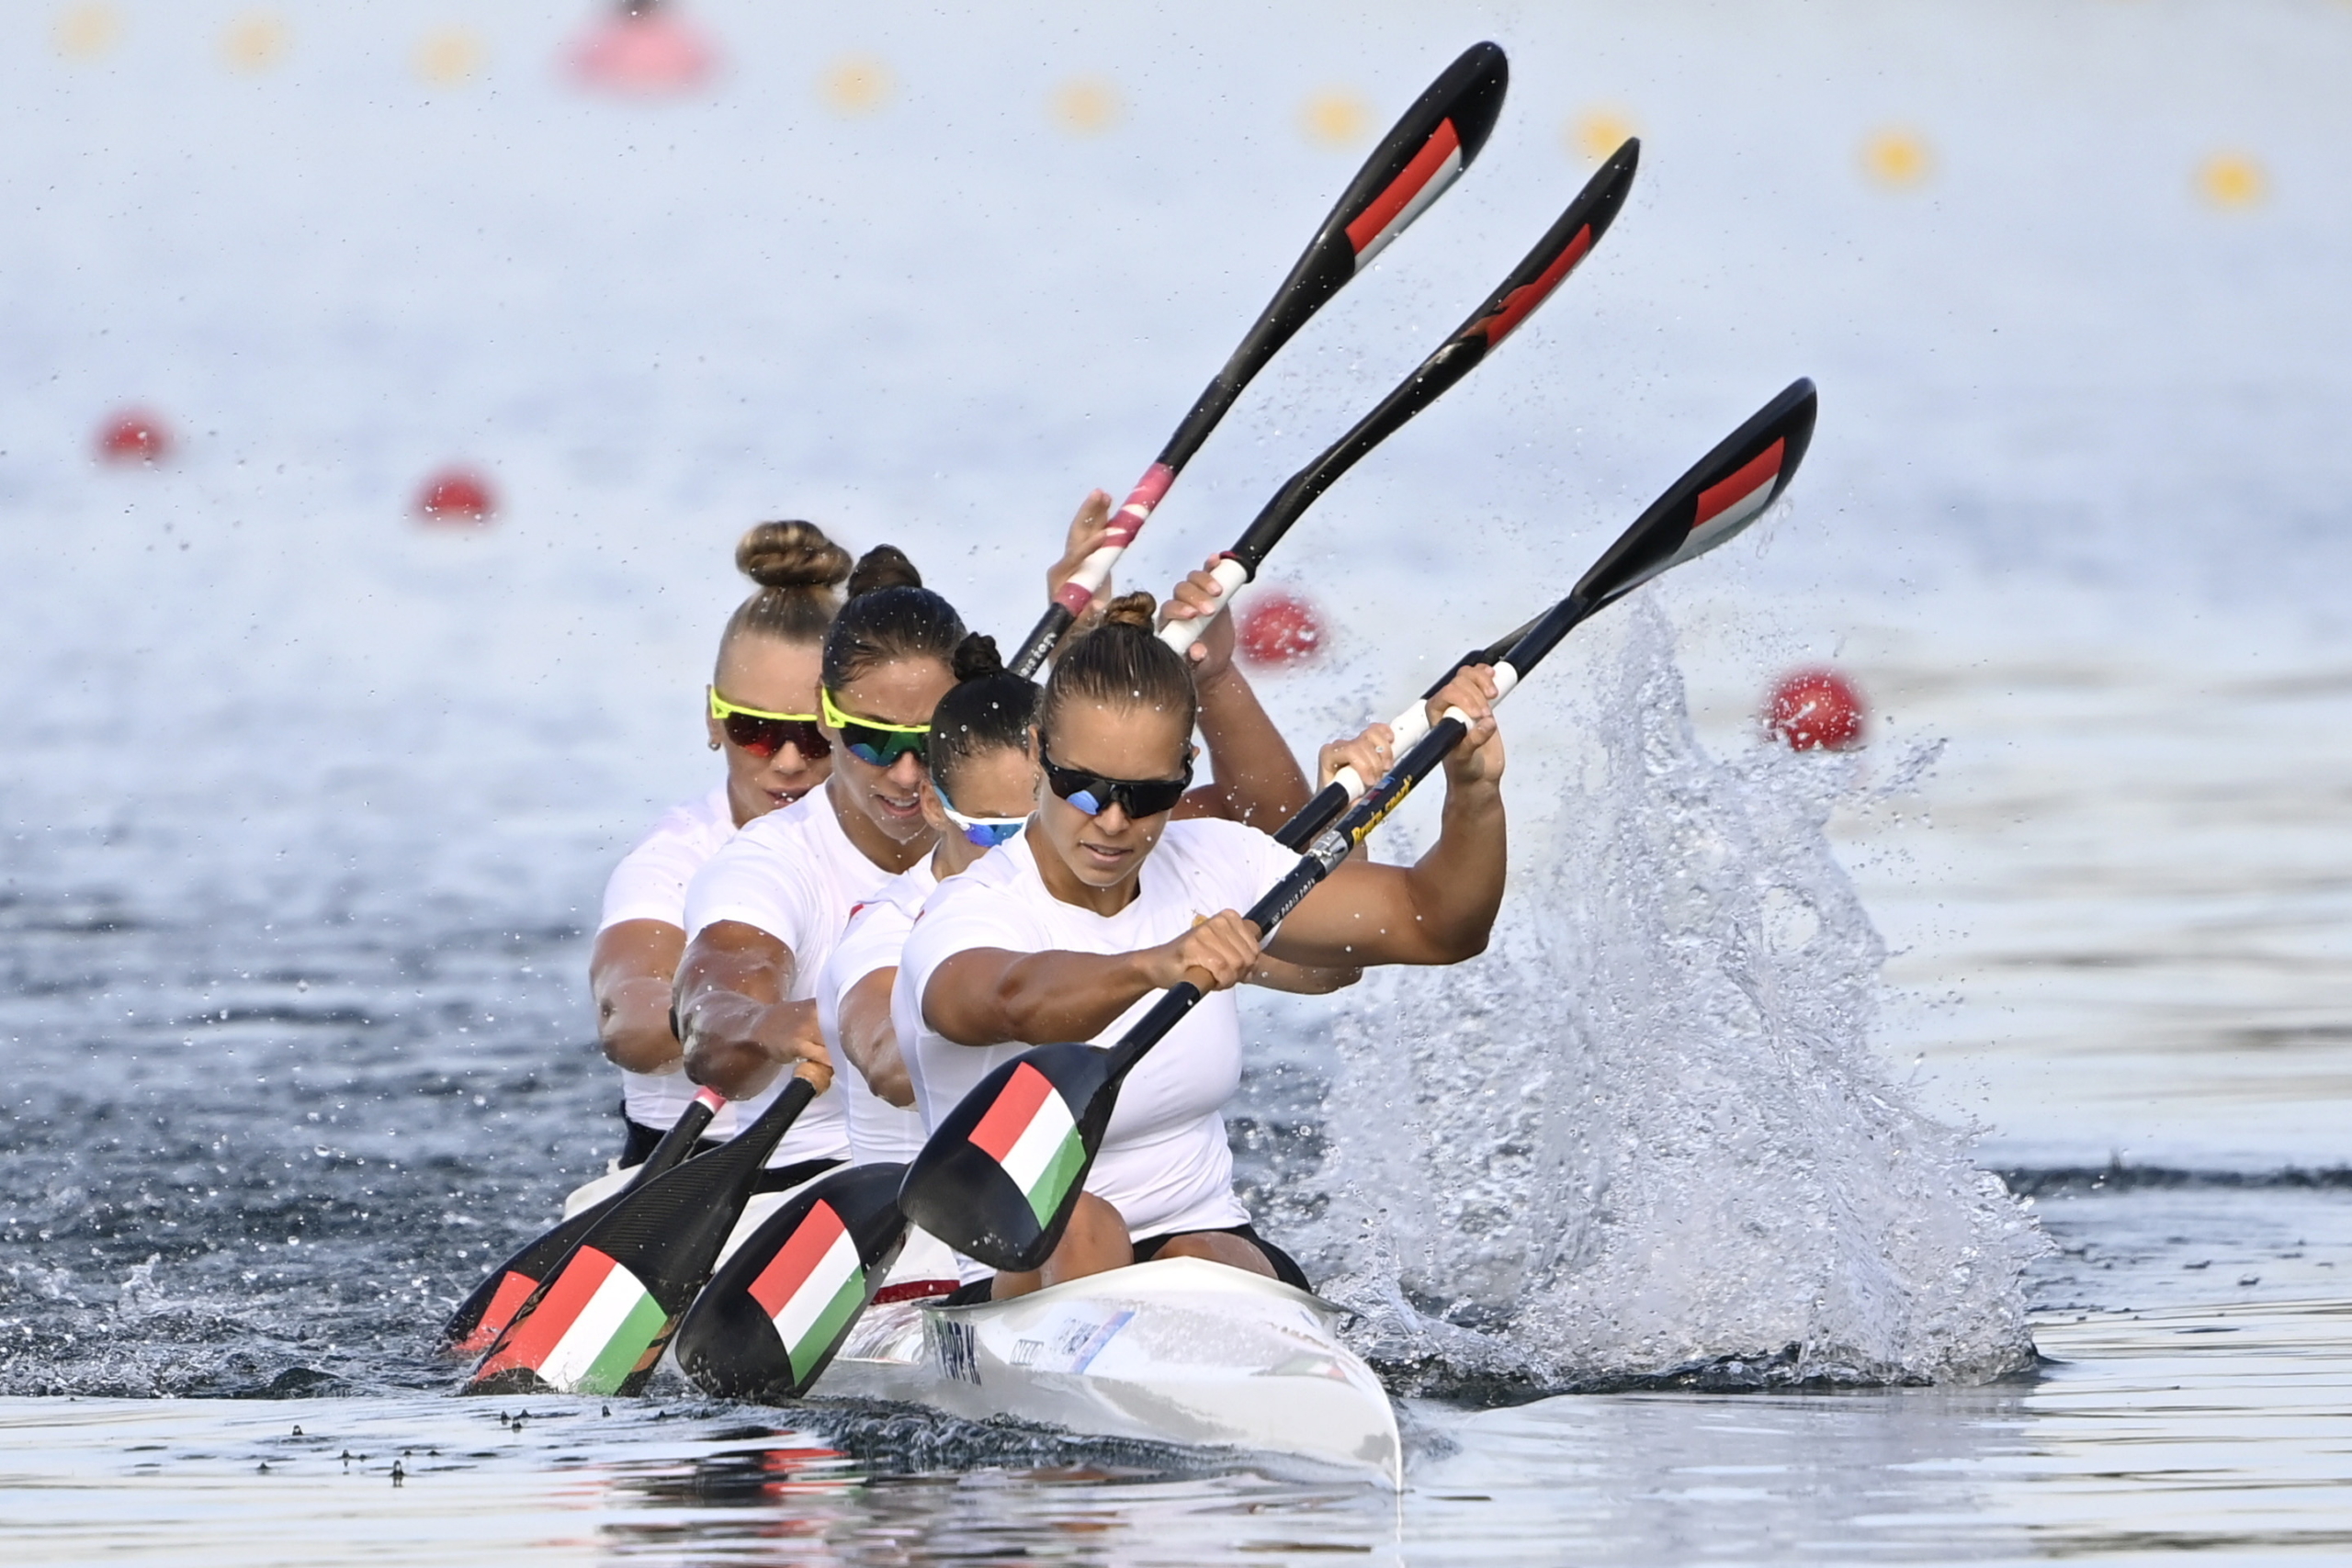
650,885
878,1130
794,874
1164,1163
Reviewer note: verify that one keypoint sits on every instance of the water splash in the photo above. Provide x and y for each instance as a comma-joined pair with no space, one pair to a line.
1646,1137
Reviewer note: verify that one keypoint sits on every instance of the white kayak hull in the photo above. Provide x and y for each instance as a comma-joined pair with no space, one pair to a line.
1178,1351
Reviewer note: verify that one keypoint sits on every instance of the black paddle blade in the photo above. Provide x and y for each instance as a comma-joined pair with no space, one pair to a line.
1533,280
997,1179
1425,151
770,1318
1723,493
482,1315
599,1320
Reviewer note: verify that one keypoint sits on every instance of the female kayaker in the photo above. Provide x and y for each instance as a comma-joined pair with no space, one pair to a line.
761,713
1103,901
984,777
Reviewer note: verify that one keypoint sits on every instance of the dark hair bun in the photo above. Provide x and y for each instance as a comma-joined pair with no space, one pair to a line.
884,566
1131,610
791,554
976,658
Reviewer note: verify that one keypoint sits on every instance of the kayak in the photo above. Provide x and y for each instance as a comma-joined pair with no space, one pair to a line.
1176,1351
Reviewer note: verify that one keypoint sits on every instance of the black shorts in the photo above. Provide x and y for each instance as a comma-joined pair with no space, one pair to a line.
639,1141
1286,1268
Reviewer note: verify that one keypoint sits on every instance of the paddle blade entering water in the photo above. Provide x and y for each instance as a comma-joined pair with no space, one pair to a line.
482,1317
999,1176
598,1324
772,1317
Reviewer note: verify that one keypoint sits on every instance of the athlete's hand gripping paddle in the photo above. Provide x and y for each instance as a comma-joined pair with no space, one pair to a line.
597,1324
999,1177
1531,283
1423,153
481,1316
770,1318
1721,514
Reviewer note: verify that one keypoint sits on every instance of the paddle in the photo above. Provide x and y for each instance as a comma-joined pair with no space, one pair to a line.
1530,284
999,1176
1423,153
481,1316
598,1322
770,1318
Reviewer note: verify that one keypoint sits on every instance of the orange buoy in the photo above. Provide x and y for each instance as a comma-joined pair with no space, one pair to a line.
134,435
1277,628
456,496
1812,708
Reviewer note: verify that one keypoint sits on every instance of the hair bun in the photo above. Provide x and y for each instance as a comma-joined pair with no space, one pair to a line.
884,566
976,658
1138,609
791,554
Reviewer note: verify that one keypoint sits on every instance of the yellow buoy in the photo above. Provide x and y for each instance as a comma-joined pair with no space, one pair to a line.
449,56
2231,180
256,41
1086,105
85,32
857,85
1599,131
1335,119
1897,158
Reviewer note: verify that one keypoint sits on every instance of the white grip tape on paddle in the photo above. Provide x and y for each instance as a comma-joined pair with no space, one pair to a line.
1409,726
1095,569
1505,678
1230,575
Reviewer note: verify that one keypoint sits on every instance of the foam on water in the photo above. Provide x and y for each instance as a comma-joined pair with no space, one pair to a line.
1646,1136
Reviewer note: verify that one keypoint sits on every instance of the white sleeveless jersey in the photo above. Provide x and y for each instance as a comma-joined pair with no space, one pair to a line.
794,874
650,885
878,1130
1164,1164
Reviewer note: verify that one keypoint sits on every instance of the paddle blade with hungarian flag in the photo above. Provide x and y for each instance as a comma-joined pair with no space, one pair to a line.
599,1323
994,1178
482,1315
773,1314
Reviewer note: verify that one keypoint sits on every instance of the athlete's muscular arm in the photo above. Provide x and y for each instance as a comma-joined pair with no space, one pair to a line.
986,996
870,1040
1253,776
738,1029
1441,909
629,971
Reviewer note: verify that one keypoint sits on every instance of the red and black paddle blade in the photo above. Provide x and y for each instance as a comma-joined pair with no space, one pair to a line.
998,1177
1423,153
773,1314
598,1323
1723,493
482,1315
1539,274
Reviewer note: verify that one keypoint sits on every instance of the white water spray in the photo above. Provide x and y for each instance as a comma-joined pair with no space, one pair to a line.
1646,1136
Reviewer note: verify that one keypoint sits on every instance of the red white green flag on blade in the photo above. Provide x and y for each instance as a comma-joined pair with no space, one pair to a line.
593,1328
812,1288
1030,1133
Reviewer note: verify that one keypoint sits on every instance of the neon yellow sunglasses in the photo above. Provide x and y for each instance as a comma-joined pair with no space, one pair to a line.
764,734
871,740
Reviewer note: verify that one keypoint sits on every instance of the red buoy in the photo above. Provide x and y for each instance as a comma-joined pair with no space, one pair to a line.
1278,627
644,52
134,435
459,496
1812,708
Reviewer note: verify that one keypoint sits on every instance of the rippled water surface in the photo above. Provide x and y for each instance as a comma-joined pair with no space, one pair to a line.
1931,1153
